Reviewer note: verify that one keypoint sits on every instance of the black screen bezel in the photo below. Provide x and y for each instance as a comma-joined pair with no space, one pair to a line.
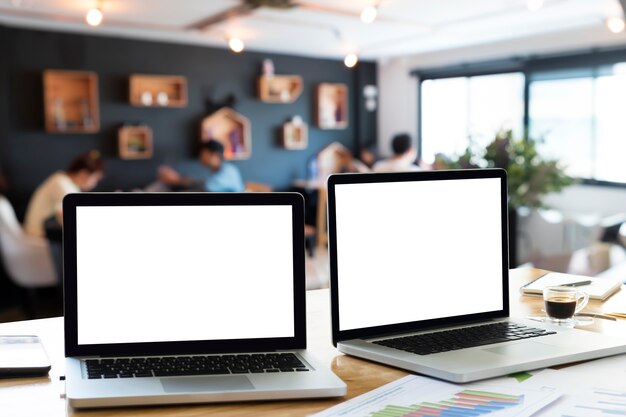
376,331
72,201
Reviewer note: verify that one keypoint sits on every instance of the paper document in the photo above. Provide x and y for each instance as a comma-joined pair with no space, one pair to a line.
587,393
418,396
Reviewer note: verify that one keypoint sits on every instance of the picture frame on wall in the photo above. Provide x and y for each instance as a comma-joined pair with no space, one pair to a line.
295,134
332,106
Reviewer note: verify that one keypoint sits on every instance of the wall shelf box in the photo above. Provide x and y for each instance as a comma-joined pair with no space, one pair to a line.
295,135
331,107
157,90
135,142
231,129
279,88
71,101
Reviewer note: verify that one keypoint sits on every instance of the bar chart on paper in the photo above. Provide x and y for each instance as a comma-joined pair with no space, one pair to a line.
464,403
417,396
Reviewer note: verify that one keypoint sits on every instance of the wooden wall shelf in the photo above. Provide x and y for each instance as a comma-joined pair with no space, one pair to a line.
280,88
157,90
231,129
135,142
71,101
295,135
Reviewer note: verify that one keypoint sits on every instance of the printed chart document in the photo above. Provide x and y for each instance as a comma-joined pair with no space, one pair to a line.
592,389
418,396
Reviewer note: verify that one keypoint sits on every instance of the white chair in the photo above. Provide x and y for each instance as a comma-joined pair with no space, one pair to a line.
27,259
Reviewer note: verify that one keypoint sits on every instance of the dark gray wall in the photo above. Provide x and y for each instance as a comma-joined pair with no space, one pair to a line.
28,154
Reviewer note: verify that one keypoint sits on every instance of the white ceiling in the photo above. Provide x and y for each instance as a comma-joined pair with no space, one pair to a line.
328,28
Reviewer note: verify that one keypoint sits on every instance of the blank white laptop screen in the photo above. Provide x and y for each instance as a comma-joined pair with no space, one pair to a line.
417,250
184,273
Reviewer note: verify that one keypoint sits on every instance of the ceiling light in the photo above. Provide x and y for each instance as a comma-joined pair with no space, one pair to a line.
534,5
615,24
236,45
368,15
94,17
350,60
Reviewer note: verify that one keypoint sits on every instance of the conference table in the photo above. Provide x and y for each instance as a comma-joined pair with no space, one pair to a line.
43,396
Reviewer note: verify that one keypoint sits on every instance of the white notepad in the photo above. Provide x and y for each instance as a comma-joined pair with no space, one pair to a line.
599,289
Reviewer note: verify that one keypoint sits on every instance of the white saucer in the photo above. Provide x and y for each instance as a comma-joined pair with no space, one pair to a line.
576,321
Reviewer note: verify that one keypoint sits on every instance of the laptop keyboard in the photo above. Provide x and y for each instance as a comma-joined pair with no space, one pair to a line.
444,341
194,365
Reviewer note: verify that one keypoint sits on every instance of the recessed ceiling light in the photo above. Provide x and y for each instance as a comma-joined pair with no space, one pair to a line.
615,24
534,5
350,60
94,17
368,15
236,45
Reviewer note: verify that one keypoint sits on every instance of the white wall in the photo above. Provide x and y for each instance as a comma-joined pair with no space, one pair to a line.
397,111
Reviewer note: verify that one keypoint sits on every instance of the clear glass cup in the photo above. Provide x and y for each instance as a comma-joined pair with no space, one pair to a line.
561,304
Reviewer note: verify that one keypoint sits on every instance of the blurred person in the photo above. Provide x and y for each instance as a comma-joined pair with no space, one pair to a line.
368,156
83,174
403,158
212,174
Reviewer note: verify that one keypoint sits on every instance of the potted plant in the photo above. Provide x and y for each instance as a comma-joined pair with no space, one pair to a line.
530,176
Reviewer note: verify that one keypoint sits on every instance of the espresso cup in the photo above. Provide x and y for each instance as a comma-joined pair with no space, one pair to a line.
562,303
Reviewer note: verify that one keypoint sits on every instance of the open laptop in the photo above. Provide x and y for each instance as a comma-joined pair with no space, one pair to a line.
415,255
183,298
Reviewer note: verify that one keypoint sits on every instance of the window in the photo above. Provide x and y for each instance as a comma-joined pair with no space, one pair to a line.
581,121
561,112
458,110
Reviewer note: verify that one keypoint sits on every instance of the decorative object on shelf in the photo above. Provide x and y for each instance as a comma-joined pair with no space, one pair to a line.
146,98
268,67
162,98
212,105
331,110
135,142
71,101
530,176
157,90
279,88
231,129
295,134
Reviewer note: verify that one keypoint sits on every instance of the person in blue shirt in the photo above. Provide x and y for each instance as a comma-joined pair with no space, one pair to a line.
211,174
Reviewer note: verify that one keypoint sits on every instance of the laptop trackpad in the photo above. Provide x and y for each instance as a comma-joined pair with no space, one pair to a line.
526,350
206,384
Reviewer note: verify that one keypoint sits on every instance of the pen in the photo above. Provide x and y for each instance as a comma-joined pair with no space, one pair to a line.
576,284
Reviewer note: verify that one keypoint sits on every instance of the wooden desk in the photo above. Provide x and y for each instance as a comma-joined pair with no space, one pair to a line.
36,397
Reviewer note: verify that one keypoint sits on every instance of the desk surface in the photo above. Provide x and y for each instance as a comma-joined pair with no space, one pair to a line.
36,397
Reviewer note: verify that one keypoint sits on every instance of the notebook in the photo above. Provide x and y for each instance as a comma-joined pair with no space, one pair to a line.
598,288
184,298
419,278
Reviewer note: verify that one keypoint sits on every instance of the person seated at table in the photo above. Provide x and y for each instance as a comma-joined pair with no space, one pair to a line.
212,174
83,174
403,159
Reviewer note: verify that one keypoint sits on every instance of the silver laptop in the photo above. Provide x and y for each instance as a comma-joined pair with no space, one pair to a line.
184,298
419,278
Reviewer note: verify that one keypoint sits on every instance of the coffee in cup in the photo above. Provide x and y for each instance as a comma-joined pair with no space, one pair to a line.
562,303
